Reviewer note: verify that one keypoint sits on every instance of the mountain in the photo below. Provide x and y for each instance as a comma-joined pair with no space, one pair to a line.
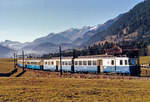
52,38
131,26
13,44
93,30
5,52
68,39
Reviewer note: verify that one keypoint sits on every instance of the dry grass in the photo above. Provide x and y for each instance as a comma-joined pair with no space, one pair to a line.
35,86
145,72
145,60
73,90
6,65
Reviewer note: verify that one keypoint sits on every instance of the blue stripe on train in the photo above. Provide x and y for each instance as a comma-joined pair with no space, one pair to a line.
66,68
123,69
109,69
85,68
33,66
21,65
51,68
117,69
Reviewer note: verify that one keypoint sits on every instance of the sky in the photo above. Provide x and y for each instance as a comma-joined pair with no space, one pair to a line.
26,20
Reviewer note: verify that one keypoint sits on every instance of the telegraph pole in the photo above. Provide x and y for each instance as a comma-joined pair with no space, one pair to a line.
74,56
60,61
14,61
23,59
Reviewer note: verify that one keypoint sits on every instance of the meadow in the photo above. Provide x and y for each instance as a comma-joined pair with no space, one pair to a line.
6,65
36,86
73,90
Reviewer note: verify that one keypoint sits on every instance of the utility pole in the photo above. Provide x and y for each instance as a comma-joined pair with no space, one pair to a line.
23,59
74,56
14,61
60,61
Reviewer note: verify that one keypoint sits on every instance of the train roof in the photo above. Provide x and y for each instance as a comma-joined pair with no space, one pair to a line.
96,56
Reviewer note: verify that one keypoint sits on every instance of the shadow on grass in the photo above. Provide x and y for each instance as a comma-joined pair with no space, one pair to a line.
8,74
20,74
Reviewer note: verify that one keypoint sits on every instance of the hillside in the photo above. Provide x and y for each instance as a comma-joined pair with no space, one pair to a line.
131,26
5,51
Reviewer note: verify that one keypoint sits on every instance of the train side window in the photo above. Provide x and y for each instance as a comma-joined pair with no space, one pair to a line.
121,62
129,61
48,63
94,63
80,62
66,63
69,62
126,62
45,62
112,62
52,63
84,62
63,63
89,63
76,62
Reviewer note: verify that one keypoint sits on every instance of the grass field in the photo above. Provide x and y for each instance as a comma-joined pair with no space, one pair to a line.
73,90
35,86
145,60
6,65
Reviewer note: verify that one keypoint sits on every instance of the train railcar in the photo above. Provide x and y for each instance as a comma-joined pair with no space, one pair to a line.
34,64
20,63
116,65
51,64
104,64
84,64
66,64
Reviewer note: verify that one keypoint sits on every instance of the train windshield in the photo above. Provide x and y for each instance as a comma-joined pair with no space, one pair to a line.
132,61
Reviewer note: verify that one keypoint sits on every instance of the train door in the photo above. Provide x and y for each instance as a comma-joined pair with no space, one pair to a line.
57,65
99,66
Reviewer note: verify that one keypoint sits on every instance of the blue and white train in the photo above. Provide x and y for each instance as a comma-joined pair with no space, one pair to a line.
85,64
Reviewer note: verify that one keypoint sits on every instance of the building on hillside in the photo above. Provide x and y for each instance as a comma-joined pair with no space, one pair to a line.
115,50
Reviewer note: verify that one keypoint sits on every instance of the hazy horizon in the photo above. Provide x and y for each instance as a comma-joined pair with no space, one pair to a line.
24,21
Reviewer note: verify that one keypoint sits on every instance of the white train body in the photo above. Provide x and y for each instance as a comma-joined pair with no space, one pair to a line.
94,64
